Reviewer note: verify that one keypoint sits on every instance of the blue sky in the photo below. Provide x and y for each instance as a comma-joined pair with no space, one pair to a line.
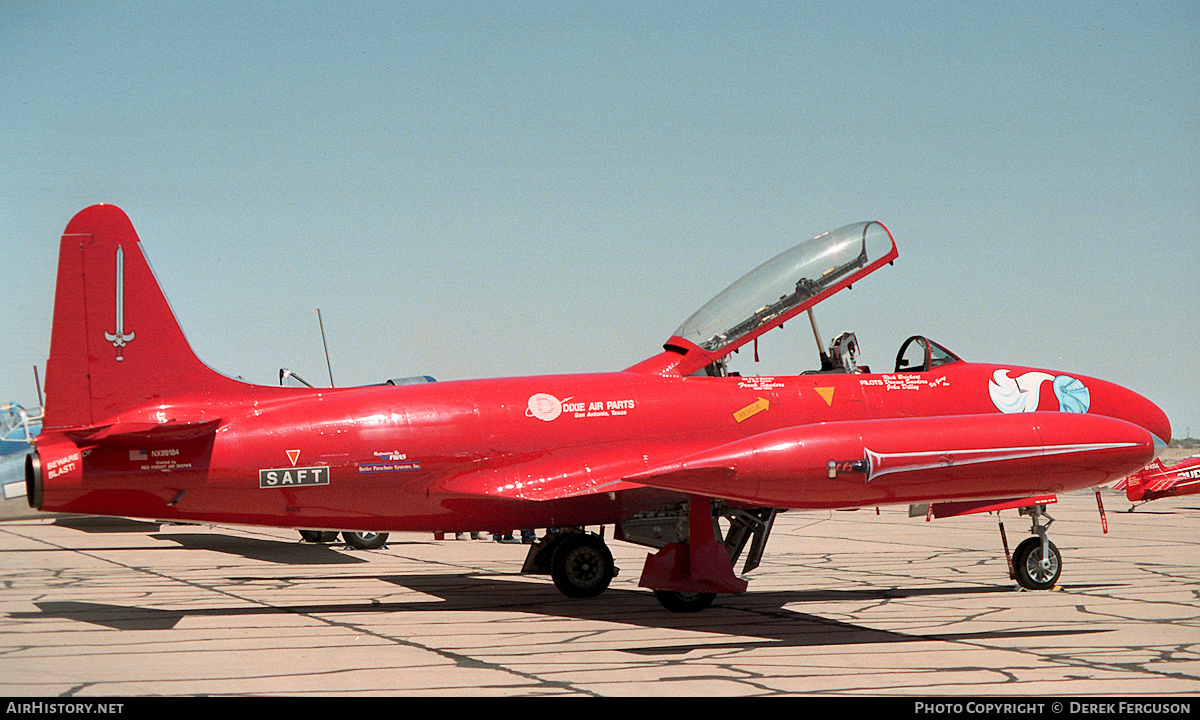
481,189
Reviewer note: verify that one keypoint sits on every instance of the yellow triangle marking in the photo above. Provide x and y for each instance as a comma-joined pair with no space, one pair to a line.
826,394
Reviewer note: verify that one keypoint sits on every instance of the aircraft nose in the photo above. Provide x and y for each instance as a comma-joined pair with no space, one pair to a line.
1150,416
1116,401
1158,424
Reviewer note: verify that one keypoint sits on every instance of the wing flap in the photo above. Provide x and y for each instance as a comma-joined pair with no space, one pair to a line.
539,489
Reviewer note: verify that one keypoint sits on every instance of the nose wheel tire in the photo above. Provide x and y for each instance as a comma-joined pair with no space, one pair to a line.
1032,573
582,566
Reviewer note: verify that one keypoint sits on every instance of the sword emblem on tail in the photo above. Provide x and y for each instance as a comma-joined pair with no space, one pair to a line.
119,338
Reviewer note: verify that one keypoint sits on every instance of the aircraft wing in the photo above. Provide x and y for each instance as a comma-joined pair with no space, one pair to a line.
550,488
564,473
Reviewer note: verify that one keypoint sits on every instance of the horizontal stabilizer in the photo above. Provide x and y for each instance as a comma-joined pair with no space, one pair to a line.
1161,484
128,432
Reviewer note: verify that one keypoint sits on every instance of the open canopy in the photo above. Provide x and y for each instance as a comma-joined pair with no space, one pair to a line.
787,285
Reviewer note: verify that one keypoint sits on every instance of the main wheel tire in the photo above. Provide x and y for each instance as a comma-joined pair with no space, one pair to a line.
318,536
365,540
1027,565
684,602
582,566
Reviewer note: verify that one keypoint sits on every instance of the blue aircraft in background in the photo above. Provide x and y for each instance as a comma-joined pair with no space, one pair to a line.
18,428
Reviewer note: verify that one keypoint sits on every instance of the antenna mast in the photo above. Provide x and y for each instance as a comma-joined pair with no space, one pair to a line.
38,381
326,346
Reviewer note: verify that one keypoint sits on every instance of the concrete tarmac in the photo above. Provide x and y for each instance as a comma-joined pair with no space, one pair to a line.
845,603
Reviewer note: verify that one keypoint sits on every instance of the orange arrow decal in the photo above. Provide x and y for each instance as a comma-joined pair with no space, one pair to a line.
826,394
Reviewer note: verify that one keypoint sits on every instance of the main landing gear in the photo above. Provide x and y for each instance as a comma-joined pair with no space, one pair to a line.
1036,564
579,562
692,565
356,540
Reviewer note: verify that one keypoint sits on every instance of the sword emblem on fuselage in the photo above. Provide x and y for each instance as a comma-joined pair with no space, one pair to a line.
119,338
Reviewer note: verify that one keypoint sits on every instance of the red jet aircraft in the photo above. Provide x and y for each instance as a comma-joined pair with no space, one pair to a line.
675,452
1160,481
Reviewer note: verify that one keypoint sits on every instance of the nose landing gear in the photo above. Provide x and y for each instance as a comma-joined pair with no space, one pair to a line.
1037,563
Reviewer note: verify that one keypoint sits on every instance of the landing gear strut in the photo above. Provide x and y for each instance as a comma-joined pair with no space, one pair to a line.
687,574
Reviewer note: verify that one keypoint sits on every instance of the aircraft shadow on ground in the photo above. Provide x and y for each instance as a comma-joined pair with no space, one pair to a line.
98,524
282,552
734,622
252,548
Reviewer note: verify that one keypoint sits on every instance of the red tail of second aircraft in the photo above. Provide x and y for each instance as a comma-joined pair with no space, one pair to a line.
115,345
1157,480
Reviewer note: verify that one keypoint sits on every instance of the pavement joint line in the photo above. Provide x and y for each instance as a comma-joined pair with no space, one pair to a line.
857,603
459,659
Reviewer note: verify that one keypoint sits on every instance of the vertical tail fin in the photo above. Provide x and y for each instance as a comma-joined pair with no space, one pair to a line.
115,344
1138,483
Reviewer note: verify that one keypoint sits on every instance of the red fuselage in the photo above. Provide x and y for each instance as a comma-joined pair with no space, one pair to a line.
590,449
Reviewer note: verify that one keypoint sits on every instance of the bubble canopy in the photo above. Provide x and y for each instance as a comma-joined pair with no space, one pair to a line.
788,284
